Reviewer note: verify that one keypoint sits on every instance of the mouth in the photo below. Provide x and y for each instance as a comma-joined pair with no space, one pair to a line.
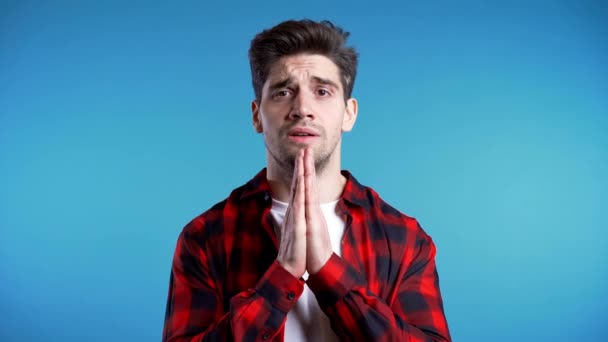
302,135
303,139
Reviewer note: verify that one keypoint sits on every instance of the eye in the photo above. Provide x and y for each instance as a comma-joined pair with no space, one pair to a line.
323,92
281,93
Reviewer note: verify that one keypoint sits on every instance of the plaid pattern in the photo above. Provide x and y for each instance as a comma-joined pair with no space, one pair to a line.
226,285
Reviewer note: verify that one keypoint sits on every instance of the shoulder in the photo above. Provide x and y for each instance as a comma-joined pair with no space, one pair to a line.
404,233
218,222
395,223
211,223
398,225
202,223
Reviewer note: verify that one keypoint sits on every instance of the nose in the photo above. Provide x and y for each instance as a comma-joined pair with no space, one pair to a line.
302,106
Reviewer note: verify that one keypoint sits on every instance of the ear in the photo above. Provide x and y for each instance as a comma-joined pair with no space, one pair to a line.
257,122
350,115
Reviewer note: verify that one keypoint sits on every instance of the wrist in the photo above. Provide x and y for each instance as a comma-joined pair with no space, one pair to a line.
319,261
295,270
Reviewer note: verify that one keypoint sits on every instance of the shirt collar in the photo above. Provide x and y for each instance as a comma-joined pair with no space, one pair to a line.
354,192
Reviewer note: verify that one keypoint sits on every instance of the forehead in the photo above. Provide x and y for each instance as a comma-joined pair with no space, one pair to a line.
303,67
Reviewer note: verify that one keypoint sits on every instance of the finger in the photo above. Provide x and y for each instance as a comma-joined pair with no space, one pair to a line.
294,187
311,188
312,176
300,195
297,206
294,179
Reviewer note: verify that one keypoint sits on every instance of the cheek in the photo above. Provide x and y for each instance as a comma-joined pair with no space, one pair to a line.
271,131
333,133
272,116
338,122
272,127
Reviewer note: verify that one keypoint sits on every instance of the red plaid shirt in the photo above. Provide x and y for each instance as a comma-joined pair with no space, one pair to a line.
226,284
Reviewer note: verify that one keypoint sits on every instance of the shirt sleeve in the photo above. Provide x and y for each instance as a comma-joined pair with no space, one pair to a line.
357,314
195,311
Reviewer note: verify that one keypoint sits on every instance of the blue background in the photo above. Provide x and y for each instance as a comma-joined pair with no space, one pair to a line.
486,121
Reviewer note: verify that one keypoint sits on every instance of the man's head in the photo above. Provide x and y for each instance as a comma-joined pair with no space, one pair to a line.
303,77
305,36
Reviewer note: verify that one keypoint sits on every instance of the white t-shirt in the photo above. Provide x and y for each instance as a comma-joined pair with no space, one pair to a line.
306,321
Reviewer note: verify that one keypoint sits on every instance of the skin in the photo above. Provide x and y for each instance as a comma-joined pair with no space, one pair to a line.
304,90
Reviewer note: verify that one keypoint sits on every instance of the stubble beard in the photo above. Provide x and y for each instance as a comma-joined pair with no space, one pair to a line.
285,158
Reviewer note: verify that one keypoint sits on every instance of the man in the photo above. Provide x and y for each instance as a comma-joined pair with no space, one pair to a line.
303,251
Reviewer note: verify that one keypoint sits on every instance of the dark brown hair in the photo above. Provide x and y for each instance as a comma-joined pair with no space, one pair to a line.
305,36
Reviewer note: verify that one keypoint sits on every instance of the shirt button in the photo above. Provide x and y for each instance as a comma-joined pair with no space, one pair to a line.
291,295
266,197
265,336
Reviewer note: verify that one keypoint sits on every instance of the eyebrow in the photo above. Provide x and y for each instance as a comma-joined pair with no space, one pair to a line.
289,80
280,84
325,81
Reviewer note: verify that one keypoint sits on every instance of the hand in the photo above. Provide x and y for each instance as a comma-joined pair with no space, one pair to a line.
292,237
318,243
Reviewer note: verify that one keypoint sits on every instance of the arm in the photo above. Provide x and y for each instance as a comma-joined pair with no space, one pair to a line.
194,309
194,306
357,314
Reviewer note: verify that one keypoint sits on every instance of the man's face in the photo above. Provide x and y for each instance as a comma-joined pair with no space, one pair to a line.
303,94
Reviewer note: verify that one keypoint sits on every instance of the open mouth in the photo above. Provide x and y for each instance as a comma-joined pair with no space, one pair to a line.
302,134
302,138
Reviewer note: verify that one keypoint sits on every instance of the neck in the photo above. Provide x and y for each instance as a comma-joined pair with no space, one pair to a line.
330,181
